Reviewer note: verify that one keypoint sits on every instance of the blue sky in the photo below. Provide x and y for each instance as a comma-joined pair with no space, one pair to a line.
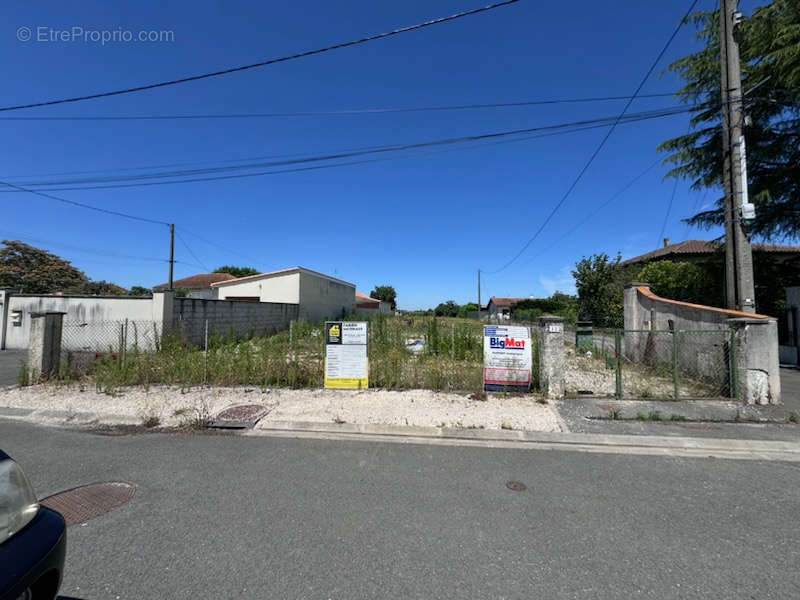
423,224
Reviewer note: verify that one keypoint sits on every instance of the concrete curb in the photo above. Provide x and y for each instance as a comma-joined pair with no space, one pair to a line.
587,442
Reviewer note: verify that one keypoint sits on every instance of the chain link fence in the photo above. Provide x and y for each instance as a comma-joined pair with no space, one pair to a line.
404,353
648,364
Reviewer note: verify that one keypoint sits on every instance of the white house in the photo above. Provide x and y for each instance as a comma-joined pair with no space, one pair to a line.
367,306
318,296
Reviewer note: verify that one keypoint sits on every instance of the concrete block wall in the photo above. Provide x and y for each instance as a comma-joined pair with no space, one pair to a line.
189,316
756,341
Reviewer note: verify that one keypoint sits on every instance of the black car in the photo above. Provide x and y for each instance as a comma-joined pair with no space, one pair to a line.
33,539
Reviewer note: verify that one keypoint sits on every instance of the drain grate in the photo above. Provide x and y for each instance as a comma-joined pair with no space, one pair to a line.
244,416
81,504
516,486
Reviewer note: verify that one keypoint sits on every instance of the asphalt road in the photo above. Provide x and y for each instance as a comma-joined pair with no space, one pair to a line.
257,517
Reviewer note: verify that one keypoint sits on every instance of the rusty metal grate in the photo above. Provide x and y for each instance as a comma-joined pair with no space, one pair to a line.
516,486
244,416
81,504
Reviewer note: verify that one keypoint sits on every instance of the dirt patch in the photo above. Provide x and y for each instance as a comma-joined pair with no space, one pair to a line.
172,406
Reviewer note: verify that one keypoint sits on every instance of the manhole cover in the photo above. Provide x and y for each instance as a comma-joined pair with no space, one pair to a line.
81,504
516,486
239,417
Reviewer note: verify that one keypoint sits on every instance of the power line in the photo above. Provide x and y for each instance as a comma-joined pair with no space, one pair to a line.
666,216
343,112
560,128
185,245
82,205
74,248
217,245
602,143
264,63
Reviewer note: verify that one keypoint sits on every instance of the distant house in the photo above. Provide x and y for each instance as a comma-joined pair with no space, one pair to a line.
702,251
500,308
367,306
197,286
317,295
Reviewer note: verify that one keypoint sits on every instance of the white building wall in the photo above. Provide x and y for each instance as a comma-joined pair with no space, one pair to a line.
324,298
79,309
277,288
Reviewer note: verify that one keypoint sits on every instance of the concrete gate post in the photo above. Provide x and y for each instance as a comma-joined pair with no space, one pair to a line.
551,356
755,360
44,347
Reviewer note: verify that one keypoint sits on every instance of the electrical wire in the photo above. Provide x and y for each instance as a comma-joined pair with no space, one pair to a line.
82,205
561,128
666,216
264,63
601,145
343,112
194,256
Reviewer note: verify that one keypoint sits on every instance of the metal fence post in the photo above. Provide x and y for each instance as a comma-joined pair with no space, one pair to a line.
124,353
291,340
205,352
675,373
452,341
618,363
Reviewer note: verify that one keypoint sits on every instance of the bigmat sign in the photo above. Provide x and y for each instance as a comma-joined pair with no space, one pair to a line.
346,355
507,358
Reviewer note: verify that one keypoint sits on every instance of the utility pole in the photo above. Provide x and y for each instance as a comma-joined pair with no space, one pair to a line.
479,294
171,252
739,285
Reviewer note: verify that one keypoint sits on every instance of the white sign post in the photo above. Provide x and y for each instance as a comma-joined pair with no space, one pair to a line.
507,358
346,364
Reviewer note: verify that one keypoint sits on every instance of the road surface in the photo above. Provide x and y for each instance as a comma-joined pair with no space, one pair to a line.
221,516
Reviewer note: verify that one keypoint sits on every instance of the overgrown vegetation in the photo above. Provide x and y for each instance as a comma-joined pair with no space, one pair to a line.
448,356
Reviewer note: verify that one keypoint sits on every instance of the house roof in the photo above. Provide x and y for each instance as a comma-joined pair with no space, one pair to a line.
706,247
282,272
364,301
197,282
503,301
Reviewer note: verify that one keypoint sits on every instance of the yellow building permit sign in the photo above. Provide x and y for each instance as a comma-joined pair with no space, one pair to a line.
346,365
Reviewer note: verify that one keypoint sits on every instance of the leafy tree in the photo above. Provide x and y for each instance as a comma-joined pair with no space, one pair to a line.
180,292
446,309
689,282
769,42
36,271
237,271
559,303
600,283
99,288
138,290
465,309
385,293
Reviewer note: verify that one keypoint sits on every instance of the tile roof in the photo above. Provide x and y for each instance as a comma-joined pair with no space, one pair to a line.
504,301
197,282
706,247
281,272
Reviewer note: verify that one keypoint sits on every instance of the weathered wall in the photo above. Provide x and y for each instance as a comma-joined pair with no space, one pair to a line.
227,317
78,309
756,351
282,288
325,298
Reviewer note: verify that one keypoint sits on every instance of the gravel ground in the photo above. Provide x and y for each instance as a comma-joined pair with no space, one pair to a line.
422,408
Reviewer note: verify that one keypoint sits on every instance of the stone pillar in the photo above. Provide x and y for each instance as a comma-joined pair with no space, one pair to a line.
163,309
551,356
755,360
636,317
5,295
44,346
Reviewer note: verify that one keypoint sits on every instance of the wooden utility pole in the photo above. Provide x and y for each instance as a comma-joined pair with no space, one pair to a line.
739,284
171,252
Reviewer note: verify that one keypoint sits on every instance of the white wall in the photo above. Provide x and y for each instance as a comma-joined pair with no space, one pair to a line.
276,288
324,298
79,309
